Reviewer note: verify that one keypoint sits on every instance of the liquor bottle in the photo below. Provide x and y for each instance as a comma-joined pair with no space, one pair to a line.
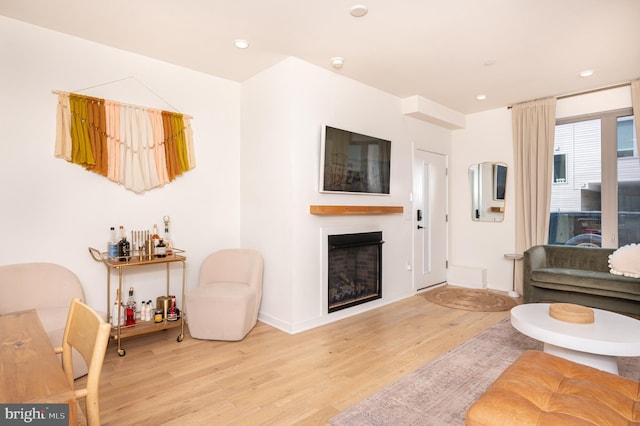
155,237
154,234
114,311
167,237
161,249
114,314
112,245
143,311
124,249
131,308
172,314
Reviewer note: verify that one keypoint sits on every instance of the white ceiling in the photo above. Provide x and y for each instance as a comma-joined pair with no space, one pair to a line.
448,51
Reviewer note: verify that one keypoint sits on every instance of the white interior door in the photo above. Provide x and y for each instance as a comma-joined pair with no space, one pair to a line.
430,219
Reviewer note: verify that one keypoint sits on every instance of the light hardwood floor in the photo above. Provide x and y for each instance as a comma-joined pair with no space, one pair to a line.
273,378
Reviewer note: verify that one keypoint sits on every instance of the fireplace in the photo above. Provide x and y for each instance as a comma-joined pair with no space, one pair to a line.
354,269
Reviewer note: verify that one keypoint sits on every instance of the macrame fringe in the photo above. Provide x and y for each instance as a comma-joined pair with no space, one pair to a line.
140,148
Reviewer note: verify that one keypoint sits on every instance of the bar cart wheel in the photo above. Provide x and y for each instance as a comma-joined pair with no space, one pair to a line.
180,338
122,352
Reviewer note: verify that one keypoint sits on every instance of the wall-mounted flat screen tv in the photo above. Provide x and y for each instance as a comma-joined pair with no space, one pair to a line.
354,163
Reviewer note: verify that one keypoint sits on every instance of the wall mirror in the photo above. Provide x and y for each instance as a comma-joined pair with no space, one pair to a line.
488,182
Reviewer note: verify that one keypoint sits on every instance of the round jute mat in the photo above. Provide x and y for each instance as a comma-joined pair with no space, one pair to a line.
469,299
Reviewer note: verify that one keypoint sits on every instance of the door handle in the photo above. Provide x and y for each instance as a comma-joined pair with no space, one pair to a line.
420,227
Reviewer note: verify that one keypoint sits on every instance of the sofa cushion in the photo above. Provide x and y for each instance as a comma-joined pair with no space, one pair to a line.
626,261
585,281
578,275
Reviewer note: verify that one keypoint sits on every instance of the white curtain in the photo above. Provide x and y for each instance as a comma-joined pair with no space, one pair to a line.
533,137
635,103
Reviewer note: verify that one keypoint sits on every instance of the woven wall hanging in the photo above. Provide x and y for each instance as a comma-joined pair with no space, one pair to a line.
140,148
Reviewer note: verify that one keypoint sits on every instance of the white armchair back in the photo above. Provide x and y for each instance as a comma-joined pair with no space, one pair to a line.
37,286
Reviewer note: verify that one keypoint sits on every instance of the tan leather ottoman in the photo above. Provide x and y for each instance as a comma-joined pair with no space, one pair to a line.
542,389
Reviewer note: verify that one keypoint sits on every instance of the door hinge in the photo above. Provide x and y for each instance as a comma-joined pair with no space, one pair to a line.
446,218
446,264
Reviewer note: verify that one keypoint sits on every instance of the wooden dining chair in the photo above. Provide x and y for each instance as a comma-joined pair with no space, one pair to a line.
88,333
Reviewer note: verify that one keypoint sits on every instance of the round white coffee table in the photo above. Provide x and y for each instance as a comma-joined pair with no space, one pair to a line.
596,344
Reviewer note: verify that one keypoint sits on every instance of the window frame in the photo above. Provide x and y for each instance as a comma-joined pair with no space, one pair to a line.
609,168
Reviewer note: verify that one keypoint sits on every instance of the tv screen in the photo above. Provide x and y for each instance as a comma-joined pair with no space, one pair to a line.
354,163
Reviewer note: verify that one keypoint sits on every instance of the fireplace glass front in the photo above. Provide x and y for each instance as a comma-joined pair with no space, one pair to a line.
354,269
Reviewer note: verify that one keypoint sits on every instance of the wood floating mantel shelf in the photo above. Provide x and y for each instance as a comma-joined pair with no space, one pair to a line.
353,210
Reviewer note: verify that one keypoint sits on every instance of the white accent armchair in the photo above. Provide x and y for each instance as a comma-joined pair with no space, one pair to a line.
225,304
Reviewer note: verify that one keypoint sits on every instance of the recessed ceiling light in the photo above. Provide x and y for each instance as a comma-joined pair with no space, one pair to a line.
481,97
241,43
358,11
337,62
586,73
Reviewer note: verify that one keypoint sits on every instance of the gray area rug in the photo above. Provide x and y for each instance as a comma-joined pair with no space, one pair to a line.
441,392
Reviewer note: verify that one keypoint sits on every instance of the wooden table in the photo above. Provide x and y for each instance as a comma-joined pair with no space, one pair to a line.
30,371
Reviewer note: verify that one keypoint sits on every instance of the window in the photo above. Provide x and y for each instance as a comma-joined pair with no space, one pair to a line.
597,160
626,139
560,168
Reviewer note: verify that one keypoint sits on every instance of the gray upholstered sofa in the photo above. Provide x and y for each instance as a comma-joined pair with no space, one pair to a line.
578,275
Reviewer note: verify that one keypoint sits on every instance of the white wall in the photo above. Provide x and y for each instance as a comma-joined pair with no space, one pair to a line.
481,245
53,211
283,109
604,100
